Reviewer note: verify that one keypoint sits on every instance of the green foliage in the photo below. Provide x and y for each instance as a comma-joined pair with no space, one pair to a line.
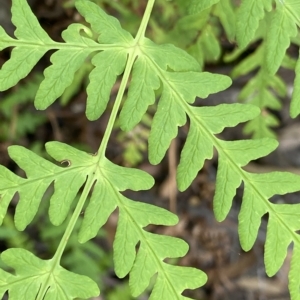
34,275
280,26
199,33
78,258
94,182
275,27
295,105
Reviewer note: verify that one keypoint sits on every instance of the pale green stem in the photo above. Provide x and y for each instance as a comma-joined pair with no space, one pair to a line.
62,245
145,20
87,187
113,116
125,78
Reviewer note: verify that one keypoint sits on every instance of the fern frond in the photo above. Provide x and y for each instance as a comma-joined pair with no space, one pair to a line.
97,174
137,252
32,42
109,180
40,174
295,104
133,217
258,187
32,273
282,28
294,278
179,90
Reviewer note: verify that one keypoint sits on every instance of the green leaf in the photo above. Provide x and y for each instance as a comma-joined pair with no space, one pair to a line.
108,65
97,212
80,79
25,56
178,89
228,176
127,235
106,26
281,29
32,273
293,9
180,276
199,145
166,56
140,94
294,278
278,238
5,40
295,104
258,188
133,217
250,216
108,181
205,123
194,22
32,43
40,174
278,85
65,63
27,25
248,16
169,247
275,183
21,62
289,62
168,117
137,252
126,178
7,178
196,6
